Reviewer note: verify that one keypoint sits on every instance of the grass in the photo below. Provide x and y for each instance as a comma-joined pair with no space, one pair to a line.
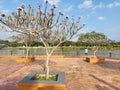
42,77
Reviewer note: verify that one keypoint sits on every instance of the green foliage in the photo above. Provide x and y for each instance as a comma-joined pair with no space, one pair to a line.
10,44
93,38
42,77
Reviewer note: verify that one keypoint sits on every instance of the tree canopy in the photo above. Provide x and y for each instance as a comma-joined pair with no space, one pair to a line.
93,38
48,25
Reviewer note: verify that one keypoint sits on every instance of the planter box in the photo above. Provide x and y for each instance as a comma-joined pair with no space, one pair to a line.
23,59
95,59
28,84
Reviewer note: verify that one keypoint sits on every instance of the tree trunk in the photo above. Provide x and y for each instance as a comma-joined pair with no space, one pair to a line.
27,52
47,66
95,51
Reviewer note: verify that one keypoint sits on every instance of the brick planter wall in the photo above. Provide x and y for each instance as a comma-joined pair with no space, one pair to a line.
28,84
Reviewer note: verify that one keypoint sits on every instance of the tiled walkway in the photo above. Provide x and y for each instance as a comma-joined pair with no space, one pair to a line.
80,75
10,84
7,69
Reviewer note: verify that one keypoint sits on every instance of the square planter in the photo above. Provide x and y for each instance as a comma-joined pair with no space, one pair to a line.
95,59
28,84
24,59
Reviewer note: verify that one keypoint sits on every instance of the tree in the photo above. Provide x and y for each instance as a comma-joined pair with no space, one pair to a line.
26,39
47,25
95,39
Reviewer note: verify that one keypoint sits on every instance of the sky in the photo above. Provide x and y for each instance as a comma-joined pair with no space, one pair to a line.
99,15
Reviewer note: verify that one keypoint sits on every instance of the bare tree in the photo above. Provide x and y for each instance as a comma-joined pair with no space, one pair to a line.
47,25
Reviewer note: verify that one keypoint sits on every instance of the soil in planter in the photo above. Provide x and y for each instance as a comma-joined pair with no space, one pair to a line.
42,77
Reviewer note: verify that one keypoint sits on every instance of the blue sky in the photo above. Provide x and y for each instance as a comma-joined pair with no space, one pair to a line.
99,15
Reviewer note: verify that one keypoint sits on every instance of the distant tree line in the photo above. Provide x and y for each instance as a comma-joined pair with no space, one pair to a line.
67,43
17,44
86,39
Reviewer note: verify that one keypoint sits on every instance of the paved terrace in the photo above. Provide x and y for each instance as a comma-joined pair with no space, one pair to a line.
80,75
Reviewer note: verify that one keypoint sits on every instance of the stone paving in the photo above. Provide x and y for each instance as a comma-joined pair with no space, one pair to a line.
7,67
80,75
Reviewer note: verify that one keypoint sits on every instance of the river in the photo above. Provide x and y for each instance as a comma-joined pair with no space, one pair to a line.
114,53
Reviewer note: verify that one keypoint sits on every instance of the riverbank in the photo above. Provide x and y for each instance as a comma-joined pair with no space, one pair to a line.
80,75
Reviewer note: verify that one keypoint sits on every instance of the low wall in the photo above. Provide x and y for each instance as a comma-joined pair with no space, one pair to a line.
9,56
57,56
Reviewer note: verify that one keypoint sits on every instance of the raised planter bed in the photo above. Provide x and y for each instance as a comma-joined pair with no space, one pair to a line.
95,59
24,59
28,84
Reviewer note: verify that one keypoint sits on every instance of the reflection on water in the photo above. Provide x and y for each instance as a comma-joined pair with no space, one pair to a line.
115,53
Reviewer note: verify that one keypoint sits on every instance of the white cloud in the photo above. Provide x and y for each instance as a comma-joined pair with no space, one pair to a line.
101,18
5,11
91,14
89,4
100,5
113,4
53,2
86,4
68,9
